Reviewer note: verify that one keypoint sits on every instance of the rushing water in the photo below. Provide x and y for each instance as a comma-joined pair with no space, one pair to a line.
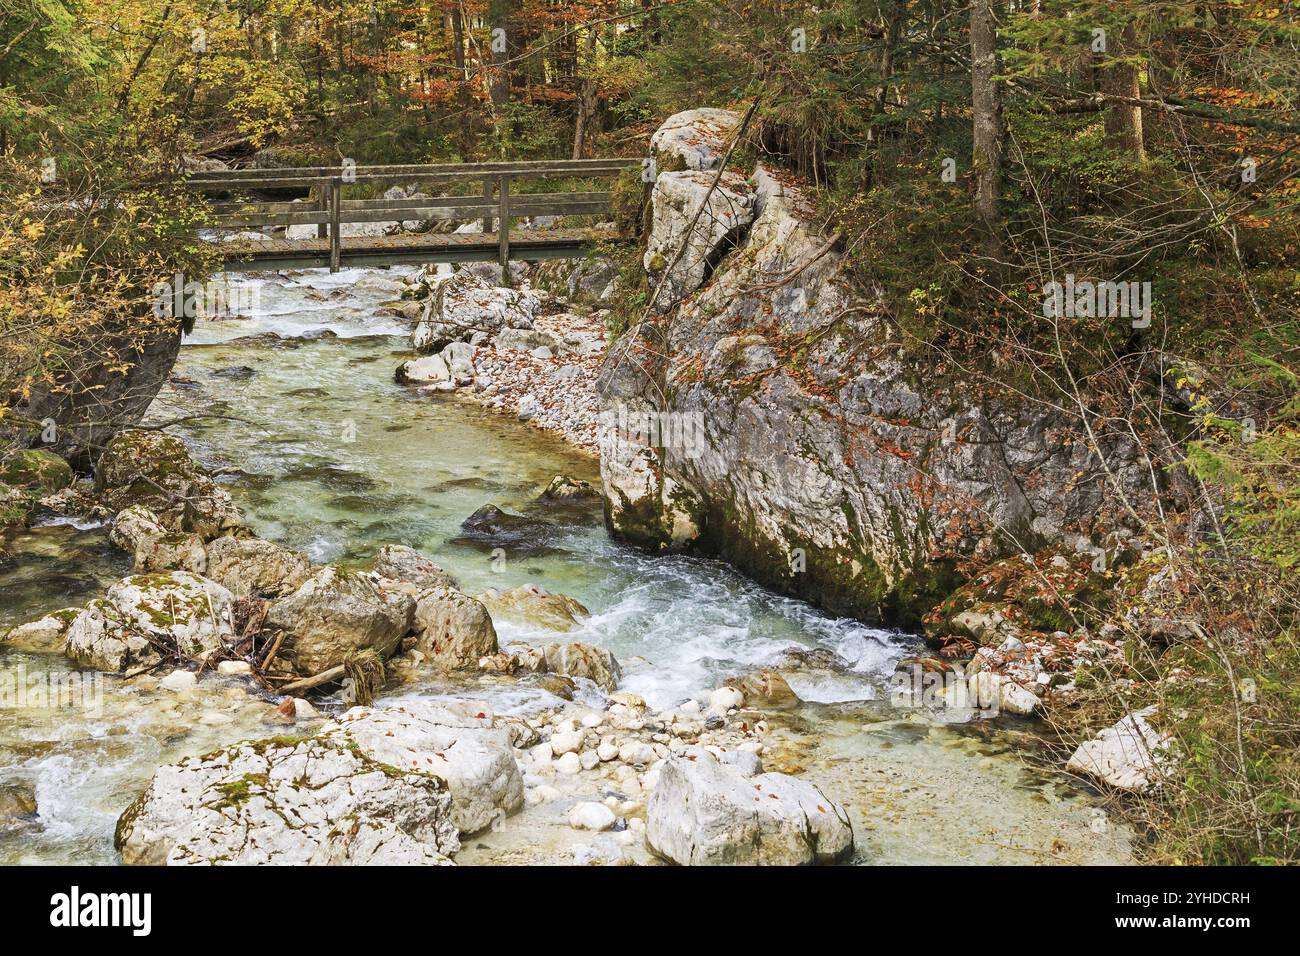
326,453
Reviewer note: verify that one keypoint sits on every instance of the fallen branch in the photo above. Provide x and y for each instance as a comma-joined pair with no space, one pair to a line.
308,683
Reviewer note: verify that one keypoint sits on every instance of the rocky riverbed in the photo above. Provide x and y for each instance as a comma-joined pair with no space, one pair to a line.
623,687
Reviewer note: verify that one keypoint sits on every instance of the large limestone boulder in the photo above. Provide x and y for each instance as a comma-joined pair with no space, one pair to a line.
253,567
144,618
400,563
847,478
336,613
675,201
312,802
462,304
694,139
704,812
453,629
1131,755
534,606
458,741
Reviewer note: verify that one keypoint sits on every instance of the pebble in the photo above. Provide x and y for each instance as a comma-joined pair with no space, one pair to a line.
234,668
563,743
606,752
568,763
724,699
591,816
589,760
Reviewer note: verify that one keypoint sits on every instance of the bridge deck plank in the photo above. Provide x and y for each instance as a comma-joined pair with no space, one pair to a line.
403,247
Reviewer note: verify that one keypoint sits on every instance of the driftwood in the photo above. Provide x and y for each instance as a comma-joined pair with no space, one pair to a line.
307,683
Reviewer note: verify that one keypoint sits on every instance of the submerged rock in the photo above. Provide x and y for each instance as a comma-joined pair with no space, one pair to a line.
490,525
336,613
48,633
535,606
17,805
703,812
764,690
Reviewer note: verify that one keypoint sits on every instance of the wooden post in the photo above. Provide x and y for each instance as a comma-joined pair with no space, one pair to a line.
487,197
503,228
336,244
322,204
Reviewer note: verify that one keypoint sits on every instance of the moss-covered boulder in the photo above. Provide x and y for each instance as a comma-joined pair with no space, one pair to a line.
148,618
16,506
38,468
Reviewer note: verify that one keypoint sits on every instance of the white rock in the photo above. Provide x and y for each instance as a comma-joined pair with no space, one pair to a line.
591,816
1131,755
606,752
568,763
637,754
563,743
703,812
179,680
234,668
590,760
725,698
303,709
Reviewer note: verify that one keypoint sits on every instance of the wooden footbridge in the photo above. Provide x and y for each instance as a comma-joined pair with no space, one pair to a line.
490,200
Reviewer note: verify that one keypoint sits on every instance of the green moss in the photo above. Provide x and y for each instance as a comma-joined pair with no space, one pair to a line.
38,468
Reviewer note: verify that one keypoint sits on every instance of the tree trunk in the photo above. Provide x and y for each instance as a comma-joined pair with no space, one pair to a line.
1124,120
462,94
986,109
586,96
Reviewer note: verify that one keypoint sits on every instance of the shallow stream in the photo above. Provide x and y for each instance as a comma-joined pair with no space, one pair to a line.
326,453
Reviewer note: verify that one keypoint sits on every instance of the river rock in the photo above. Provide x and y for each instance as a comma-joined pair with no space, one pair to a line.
133,526
536,607
489,525
462,304
336,613
1131,755
177,613
453,630
765,690
400,563
17,805
155,471
45,634
576,659
257,568
426,370
457,741
703,812
592,816
315,801
566,489
36,468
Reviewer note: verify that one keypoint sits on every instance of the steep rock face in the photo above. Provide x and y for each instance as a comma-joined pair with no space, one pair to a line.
772,419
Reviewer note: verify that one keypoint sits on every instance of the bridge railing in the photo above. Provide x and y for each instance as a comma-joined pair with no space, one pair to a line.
327,209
